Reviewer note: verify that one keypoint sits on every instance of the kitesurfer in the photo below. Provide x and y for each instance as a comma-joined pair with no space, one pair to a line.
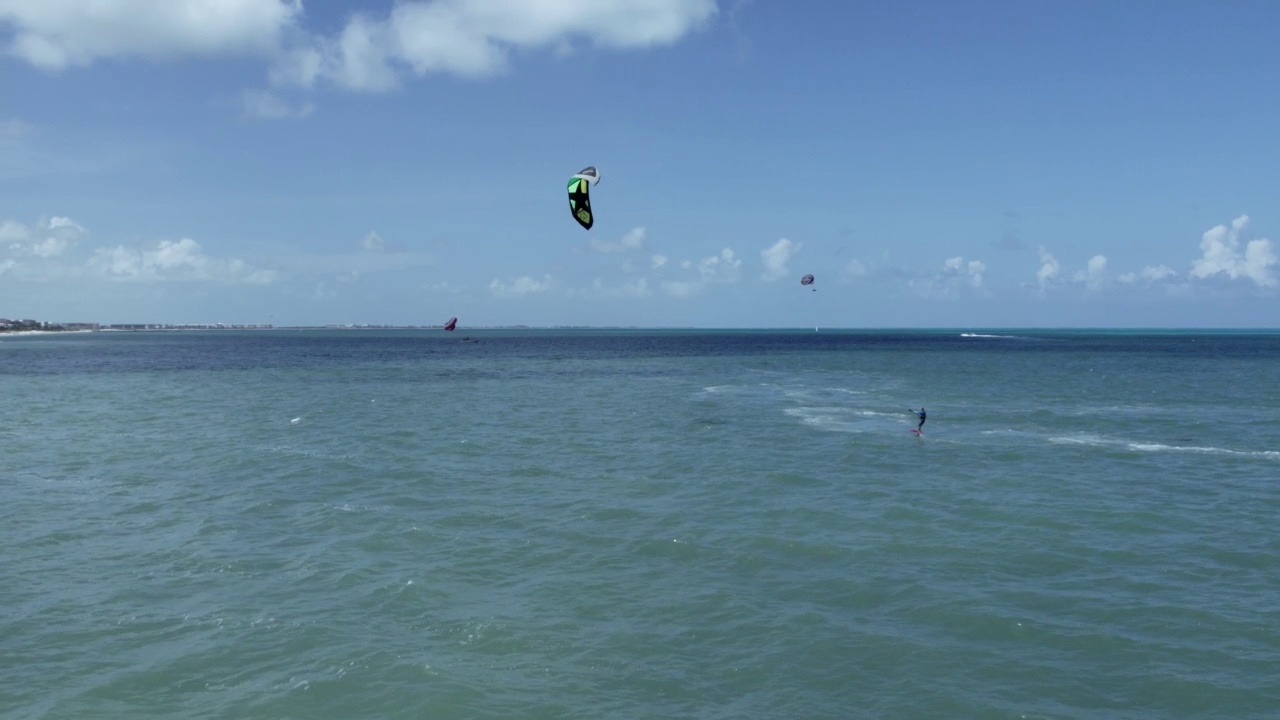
921,413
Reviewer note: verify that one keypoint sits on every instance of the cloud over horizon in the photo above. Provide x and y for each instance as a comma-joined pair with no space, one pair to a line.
1150,273
633,240
956,274
1047,275
522,286
169,260
775,259
720,268
1221,255
48,239
1094,274
56,249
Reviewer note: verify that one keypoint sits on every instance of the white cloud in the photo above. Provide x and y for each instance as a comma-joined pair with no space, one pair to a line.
49,247
168,260
55,34
722,267
1221,255
373,50
44,251
474,38
373,242
776,257
522,286
659,261
972,272
1151,273
1095,273
976,269
11,231
855,268
359,58
955,274
633,240
50,239
300,66
61,234
1047,276
65,224
269,106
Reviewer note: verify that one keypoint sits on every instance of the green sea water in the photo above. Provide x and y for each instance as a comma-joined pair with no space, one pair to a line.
640,524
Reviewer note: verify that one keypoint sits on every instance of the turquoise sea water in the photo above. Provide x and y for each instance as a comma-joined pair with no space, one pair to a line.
640,524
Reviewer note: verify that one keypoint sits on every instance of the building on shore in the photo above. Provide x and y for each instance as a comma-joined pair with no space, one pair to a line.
7,325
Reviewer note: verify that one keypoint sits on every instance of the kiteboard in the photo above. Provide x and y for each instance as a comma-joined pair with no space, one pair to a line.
917,432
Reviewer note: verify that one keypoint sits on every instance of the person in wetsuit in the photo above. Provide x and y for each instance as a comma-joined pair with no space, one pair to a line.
920,412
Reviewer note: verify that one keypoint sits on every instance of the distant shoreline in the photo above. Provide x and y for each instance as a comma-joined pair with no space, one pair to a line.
966,332
13,333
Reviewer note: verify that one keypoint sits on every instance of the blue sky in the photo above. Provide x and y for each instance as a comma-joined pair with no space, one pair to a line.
933,163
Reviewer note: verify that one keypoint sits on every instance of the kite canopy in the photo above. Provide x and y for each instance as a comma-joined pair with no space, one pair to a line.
453,323
579,198
806,280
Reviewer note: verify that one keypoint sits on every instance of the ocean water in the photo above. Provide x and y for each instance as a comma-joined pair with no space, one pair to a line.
640,524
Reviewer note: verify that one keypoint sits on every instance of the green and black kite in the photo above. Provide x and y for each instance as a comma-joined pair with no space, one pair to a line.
579,199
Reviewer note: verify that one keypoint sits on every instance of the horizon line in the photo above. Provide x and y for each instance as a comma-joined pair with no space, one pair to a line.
144,326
